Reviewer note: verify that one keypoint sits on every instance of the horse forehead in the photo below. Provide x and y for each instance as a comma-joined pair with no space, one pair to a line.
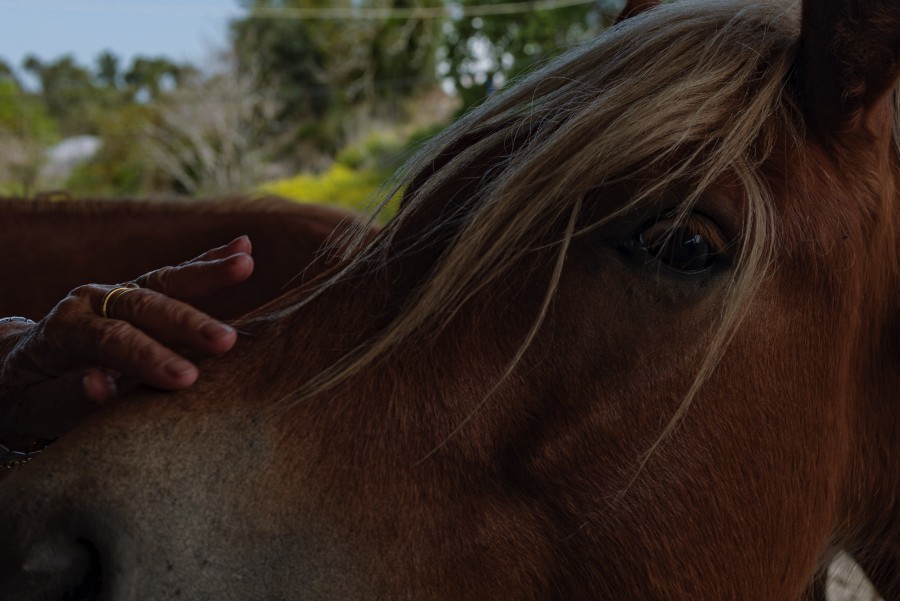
828,196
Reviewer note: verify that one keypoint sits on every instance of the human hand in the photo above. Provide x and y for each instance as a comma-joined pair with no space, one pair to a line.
58,370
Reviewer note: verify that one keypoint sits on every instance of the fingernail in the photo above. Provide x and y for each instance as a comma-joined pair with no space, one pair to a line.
98,387
213,330
178,367
239,239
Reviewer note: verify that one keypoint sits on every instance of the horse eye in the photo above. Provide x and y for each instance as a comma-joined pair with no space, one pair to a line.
687,246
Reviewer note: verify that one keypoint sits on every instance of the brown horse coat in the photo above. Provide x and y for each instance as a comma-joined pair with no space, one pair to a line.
47,248
634,334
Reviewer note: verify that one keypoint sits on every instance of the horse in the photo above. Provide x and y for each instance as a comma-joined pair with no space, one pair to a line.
71,242
633,334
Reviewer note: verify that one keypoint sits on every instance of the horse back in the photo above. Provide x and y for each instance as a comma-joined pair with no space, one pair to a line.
49,248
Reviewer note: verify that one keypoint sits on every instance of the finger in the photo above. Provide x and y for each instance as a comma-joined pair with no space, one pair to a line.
199,278
173,323
98,385
119,346
239,245
73,336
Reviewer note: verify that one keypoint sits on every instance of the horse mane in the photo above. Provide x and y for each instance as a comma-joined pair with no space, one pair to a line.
680,94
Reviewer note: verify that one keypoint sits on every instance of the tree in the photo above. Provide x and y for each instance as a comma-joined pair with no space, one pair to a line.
481,53
26,130
148,77
67,90
327,72
286,57
108,70
120,167
214,133
7,72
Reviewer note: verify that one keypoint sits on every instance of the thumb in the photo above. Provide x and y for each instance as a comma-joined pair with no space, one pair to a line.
50,408
98,386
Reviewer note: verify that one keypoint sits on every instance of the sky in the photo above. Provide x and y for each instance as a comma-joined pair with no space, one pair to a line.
182,30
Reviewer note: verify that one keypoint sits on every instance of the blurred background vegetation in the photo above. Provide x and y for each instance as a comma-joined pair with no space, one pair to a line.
312,99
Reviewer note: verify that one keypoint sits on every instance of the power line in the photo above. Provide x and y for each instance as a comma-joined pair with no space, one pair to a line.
117,7
348,13
453,11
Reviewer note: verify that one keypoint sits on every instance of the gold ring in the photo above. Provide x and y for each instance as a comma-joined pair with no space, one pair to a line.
109,299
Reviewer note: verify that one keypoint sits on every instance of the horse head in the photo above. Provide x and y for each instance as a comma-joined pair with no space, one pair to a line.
632,335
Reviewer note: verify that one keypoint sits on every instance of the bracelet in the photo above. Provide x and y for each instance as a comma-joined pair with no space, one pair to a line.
15,319
10,459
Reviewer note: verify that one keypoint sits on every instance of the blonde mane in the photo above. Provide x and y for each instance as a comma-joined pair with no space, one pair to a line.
681,94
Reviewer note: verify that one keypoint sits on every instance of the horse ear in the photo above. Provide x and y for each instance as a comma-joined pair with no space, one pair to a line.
634,7
849,60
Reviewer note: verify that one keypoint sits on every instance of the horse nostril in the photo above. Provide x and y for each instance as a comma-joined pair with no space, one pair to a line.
65,570
88,589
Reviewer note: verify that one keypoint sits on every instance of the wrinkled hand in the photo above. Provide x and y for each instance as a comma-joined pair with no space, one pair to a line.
60,369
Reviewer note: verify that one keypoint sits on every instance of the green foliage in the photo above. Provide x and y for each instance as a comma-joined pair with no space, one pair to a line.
148,77
26,130
327,73
480,53
120,168
215,134
110,101
67,90
283,56
79,100
302,85
340,185
6,71
108,74
378,150
356,177
22,114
